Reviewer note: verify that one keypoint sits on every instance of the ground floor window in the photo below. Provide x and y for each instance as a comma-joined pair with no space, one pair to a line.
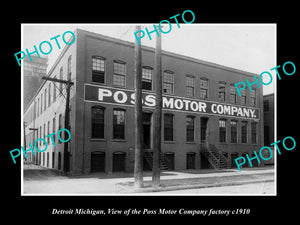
98,162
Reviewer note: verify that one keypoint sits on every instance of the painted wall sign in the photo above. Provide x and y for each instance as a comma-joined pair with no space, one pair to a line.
108,95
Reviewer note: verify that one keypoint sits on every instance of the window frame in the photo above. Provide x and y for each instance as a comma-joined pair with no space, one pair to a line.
97,57
124,125
103,109
165,127
119,74
171,73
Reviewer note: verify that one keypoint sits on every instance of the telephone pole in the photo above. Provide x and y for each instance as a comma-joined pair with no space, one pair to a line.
68,84
138,162
157,115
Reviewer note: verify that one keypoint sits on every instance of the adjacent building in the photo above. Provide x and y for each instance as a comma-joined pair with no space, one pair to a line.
205,123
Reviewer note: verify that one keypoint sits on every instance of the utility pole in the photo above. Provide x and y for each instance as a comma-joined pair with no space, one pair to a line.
157,115
68,84
138,162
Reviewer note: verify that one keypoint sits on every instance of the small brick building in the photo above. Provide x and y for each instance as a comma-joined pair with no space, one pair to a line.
205,123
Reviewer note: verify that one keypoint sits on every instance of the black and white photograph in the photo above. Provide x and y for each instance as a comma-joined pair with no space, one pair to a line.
148,114
143,109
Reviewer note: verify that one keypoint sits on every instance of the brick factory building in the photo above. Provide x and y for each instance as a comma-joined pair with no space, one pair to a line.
205,123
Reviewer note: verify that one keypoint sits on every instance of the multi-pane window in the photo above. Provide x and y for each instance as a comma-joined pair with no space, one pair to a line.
119,73
253,98
168,82
233,127
69,68
168,127
61,78
98,72
147,78
222,130
54,91
266,106
203,88
59,124
244,131
53,129
232,93
190,128
49,94
119,124
222,86
190,85
243,96
97,122
253,133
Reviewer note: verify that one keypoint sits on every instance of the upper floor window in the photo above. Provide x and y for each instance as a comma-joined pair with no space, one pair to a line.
190,85
168,85
69,68
222,86
147,78
98,73
119,73
253,98
119,124
203,88
168,127
243,96
232,93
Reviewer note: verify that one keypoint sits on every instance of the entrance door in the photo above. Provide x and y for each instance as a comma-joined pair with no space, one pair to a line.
233,157
190,160
170,160
97,162
119,161
203,131
147,130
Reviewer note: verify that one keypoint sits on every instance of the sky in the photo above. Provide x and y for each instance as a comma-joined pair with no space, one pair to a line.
248,47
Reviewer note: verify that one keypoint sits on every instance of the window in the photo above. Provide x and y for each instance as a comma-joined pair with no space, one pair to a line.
233,127
232,93
48,128
253,133
190,86
45,99
147,78
61,78
243,96
168,84
38,107
119,124
69,72
253,98
49,94
222,86
190,128
54,91
98,72
168,127
203,129
119,73
59,124
97,122
42,102
203,88
222,130
53,129
266,106
244,132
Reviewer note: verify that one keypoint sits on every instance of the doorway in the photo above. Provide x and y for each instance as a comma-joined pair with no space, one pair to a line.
147,130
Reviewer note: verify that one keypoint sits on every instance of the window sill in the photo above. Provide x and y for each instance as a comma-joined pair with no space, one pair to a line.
169,142
98,139
119,140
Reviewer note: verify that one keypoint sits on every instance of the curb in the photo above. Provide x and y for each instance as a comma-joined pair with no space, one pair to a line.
184,187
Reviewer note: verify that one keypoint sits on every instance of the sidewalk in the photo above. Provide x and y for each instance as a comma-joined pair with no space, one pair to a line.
203,179
39,180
